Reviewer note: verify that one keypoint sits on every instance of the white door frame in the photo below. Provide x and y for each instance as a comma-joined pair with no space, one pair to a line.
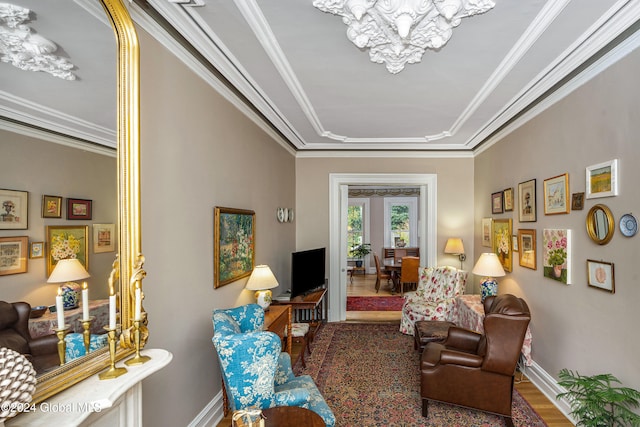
338,201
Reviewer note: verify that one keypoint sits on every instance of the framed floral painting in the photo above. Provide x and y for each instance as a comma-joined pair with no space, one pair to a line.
234,244
67,241
556,247
502,231
51,206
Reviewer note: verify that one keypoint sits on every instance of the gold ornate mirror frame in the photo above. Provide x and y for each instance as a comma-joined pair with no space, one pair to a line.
128,269
595,225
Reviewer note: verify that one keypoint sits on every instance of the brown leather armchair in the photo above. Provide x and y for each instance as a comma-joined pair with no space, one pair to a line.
42,352
476,370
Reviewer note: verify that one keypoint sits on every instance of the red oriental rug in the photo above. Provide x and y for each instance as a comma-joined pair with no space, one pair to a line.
392,303
368,374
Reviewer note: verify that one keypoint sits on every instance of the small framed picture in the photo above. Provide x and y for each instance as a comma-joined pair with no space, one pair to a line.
556,191
496,203
78,209
13,255
104,237
577,201
602,179
527,201
14,209
487,223
514,243
508,199
527,246
51,206
600,275
36,250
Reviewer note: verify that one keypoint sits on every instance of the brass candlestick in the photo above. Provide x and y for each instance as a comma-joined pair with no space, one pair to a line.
112,372
62,345
137,359
86,334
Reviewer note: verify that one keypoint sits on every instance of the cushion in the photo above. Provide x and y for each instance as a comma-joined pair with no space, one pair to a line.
224,324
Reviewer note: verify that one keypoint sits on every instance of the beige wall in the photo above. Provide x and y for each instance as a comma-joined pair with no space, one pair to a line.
41,167
575,326
199,152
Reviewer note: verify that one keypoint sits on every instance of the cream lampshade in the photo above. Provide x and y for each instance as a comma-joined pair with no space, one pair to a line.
489,266
454,246
261,280
67,271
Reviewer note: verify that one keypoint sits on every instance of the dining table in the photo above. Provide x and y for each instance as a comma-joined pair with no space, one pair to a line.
393,266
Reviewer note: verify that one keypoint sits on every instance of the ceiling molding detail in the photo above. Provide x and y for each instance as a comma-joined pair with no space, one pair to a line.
398,32
26,50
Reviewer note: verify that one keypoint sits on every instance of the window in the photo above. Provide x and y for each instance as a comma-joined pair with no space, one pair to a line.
357,223
400,221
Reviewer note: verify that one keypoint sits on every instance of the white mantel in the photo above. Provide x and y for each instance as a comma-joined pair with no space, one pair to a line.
95,402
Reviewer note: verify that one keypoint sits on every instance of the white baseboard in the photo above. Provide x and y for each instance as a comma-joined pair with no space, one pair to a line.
549,387
211,415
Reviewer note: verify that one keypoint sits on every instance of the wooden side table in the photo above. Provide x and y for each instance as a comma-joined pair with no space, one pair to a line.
278,319
291,416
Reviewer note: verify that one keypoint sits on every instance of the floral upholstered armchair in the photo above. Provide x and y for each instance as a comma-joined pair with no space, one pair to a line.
434,298
256,373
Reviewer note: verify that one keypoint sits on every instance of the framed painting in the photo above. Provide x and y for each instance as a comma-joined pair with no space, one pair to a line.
234,244
496,203
507,199
78,209
556,193
104,237
556,245
51,206
36,250
577,201
67,241
14,210
502,231
600,275
527,246
13,255
602,179
527,201
486,231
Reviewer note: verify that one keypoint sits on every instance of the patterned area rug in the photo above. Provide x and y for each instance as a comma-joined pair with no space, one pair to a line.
369,375
392,303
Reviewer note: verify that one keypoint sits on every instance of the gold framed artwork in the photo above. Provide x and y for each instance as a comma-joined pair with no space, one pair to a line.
556,194
507,199
104,238
14,209
67,241
51,206
502,231
234,234
486,231
602,179
600,275
13,255
556,244
36,250
527,246
527,201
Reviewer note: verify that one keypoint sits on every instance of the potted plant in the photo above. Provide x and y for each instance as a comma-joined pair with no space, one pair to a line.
359,252
595,402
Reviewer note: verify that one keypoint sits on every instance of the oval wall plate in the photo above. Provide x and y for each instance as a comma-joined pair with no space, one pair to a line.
628,225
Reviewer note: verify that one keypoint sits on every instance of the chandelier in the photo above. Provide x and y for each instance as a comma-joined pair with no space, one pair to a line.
398,32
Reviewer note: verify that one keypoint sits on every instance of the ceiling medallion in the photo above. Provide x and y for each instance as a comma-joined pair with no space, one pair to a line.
398,31
26,50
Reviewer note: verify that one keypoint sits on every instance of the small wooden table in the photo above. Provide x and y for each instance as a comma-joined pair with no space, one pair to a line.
291,416
278,319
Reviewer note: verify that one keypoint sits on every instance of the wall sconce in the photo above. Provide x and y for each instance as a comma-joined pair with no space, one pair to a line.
454,246
284,214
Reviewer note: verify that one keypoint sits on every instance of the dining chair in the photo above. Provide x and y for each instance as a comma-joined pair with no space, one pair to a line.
380,274
400,253
388,253
409,272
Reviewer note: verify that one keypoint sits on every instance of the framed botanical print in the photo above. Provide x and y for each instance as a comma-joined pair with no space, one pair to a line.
104,238
556,245
36,250
502,231
13,255
602,179
79,209
600,275
527,201
527,246
496,203
14,209
556,195
507,201
67,241
234,244
486,231
51,206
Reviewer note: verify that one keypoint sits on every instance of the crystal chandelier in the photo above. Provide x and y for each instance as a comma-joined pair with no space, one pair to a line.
397,32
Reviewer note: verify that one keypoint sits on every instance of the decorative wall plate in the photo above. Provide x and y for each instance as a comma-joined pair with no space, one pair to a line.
628,225
280,214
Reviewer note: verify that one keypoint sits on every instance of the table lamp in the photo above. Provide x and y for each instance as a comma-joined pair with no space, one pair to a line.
489,266
454,246
261,281
67,271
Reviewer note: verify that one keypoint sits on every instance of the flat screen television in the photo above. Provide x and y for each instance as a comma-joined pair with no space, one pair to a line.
307,271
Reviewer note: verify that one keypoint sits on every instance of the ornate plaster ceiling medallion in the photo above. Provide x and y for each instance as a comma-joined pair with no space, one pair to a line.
26,50
398,32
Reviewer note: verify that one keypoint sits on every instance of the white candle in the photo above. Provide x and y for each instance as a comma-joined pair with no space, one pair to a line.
60,309
85,301
138,308
112,312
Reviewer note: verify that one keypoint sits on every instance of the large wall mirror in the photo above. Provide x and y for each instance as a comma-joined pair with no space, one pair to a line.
120,269
600,224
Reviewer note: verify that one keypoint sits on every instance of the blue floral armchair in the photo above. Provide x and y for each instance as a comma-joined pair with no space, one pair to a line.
256,372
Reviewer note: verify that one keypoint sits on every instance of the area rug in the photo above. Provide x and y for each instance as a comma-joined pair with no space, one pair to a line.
386,303
369,376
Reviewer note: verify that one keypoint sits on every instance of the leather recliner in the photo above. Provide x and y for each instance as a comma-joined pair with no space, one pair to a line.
42,352
476,370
